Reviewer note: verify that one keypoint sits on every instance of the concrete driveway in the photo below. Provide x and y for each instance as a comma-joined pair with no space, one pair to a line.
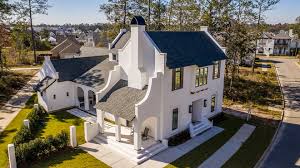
285,151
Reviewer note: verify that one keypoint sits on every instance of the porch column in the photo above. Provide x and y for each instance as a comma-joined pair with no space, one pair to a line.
137,136
118,128
100,120
86,100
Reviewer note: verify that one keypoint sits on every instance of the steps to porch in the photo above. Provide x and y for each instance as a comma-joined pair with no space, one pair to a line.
199,127
128,151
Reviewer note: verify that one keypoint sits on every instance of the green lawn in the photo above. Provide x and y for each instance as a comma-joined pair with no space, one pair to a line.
251,151
55,123
10,131
62,120
76,158
195,157
246,156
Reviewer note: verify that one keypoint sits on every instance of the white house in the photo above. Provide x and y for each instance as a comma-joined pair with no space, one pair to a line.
152,86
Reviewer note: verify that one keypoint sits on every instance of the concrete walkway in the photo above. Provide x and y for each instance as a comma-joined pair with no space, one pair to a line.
83,115
10,109
220,157
116,160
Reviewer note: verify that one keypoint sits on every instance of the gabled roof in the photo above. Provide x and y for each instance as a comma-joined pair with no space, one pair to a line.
121,100
121,41
282,36
187,48
72,68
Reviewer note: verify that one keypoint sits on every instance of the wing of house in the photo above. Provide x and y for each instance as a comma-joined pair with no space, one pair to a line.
67,48
156,84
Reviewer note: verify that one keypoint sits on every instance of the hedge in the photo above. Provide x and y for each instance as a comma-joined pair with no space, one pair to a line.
179,138
35,122
40,148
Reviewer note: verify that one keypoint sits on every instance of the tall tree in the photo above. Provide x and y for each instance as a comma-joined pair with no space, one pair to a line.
5,11
261,7
28,8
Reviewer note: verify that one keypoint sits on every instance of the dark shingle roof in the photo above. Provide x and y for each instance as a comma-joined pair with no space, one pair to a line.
121,100
97,76
70,69
187,48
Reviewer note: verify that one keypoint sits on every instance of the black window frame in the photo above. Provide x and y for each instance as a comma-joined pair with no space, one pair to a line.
216,75
67,94
175,112
54,96
174,77
213,103
201,77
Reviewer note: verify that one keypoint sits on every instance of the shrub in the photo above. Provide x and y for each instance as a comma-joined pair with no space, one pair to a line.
179,138
40,148
26,134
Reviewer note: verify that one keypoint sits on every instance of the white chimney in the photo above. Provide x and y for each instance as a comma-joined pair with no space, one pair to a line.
204,28
136,77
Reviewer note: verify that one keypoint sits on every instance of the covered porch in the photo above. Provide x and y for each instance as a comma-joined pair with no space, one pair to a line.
134,135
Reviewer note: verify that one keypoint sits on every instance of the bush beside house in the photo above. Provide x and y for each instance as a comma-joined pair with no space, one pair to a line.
40,148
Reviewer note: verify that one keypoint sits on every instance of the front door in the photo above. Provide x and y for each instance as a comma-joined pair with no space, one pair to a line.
197,110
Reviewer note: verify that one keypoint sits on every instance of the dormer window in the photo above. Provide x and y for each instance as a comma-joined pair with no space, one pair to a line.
216,69
201,76
177,78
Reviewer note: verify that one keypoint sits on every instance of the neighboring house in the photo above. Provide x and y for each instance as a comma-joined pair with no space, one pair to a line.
66,49
92,39
265,44
156,84
283,43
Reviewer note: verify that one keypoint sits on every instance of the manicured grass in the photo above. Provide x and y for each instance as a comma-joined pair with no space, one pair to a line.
251,151
247,156
62,120
6,137
75,158
195,157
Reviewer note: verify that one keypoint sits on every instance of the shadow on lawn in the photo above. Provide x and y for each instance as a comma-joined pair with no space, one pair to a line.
5,133
59,158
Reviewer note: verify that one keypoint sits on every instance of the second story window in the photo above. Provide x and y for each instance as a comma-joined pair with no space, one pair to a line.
216,69
177,78
201,76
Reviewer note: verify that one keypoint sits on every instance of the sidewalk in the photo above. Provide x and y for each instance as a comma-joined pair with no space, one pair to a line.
116,160
222,155
10,109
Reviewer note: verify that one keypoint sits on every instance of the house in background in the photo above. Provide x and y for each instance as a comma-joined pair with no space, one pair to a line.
152,86
283,43
68,48
265,44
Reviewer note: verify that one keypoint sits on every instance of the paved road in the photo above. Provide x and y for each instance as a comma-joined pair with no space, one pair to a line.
285,151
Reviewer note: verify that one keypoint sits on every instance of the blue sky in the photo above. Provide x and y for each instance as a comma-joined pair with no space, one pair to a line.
87,11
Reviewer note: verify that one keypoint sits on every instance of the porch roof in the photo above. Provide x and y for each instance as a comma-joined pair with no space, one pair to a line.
121,100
